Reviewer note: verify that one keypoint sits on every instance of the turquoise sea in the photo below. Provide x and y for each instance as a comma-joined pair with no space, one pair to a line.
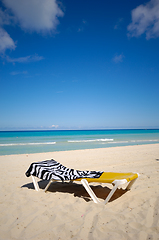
25,142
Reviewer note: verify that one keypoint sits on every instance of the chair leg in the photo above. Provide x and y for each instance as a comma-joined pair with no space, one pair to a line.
35,183
116,183
89,190
47,186
110,194
130,184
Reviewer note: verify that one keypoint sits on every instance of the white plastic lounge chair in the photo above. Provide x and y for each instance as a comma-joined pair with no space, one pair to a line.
54,171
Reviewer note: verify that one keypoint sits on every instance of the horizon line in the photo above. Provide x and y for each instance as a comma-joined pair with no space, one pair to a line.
84,129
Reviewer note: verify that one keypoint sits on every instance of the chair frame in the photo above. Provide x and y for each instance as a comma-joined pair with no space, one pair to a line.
116,184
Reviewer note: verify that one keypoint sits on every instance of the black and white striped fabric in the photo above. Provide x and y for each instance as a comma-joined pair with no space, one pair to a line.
50,169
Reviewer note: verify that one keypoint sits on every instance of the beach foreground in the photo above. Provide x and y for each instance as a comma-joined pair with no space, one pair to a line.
66,212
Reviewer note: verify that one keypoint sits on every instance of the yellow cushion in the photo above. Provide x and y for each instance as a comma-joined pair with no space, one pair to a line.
109,177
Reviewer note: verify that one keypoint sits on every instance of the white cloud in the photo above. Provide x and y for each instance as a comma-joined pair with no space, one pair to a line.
31,15
31,58
17,73
145,19
54,126
118,58
5,18
6,42
35,15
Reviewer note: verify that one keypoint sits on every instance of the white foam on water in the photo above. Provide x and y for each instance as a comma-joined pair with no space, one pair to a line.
149,140
25,144
91,140
121,142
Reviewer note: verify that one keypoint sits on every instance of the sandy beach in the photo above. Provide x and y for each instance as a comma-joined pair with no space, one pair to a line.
66,212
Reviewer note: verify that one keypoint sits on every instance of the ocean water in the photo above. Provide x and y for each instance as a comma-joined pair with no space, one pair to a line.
25,142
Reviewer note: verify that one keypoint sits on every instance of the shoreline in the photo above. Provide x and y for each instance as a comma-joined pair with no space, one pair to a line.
66,212
145,144
37,142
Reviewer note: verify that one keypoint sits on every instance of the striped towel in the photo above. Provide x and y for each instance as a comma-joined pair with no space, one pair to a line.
50,169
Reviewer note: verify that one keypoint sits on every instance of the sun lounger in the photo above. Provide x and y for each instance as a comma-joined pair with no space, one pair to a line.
54,171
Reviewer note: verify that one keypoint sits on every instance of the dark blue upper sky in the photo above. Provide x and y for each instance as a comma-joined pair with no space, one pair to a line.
79,64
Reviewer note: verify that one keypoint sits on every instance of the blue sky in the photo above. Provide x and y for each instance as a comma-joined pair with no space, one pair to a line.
79,64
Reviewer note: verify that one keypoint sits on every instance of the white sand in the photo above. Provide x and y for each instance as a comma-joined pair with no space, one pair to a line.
66,211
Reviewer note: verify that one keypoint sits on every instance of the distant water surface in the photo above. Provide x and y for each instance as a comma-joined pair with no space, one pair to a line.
24,142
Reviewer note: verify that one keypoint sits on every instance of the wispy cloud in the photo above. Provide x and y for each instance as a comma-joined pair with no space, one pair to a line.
145,19
118,23
6,42
27,59
82,27
17,73
6,18
118,58
59,92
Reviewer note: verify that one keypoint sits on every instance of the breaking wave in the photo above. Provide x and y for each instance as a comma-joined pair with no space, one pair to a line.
25,144
150,140
91,140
